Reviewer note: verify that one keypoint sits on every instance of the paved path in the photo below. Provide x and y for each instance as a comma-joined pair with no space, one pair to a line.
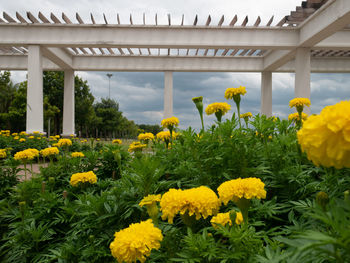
36,170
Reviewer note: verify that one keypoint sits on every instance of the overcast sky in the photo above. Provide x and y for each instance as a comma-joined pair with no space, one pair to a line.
140,95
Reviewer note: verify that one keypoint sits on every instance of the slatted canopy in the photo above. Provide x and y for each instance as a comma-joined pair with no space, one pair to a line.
313,38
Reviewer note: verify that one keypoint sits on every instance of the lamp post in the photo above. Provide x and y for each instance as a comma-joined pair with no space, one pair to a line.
109,75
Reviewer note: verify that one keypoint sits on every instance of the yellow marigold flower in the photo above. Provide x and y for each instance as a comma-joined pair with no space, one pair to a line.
3,153
31,137
231,92
117,141
26,155
23,133
165,135
136,242
36,132
224,218
170,122
49,151
136,146
200,201
14,134
326,137
57,136
145,136
64,142
246,115
299,102
217,106
236,189
295,116
150,199
77,154
88,177
22,140
16,138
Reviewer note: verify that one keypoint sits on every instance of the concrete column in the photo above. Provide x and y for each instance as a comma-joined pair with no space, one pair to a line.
302,75
266,93
168,94
68,104
35,107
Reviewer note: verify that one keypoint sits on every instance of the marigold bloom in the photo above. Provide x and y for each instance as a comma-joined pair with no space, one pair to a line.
31,137
49,151
88,177
136,146
236,189
224,218
200,201
22,140
145,136
231,92
165,135
77,155
299,102
295,116
150,199
170,122
136,242
246,115
3,153
26,155
117,141
217,106
64,142
326,137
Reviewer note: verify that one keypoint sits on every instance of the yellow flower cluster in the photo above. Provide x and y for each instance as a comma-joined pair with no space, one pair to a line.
136,146
77,154
224,218
247,188
165,135
295,116
64,142
49,151
217,106
145,136
326,137
200,201
26,155
150,199
88,177
246,115
170,122
136,242
3,153
231,92
297,102
117,141
22,140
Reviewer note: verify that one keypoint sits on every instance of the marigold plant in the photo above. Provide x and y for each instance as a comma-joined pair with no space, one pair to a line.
26,155
224,219
170,122
87,177
149,200
165,135
218,108
200,202
246,115
77,155
136,242
296,117
3,153
299,102
231,92
117,141
136,146
326,137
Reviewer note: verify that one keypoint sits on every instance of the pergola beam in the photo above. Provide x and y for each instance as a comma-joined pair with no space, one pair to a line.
183,64
59,57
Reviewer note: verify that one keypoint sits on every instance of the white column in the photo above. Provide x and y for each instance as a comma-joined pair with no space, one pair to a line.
68,104
266,93
302,75
168,94
35,107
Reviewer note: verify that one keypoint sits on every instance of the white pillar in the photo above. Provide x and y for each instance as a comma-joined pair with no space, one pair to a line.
302,75
266,93
68,103
168,94
35,107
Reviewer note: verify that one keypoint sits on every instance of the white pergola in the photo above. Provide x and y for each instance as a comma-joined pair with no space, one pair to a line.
314,38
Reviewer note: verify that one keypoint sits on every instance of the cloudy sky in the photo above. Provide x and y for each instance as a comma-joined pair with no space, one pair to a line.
140,95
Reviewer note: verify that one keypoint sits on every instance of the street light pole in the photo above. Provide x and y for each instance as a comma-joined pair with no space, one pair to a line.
109,75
